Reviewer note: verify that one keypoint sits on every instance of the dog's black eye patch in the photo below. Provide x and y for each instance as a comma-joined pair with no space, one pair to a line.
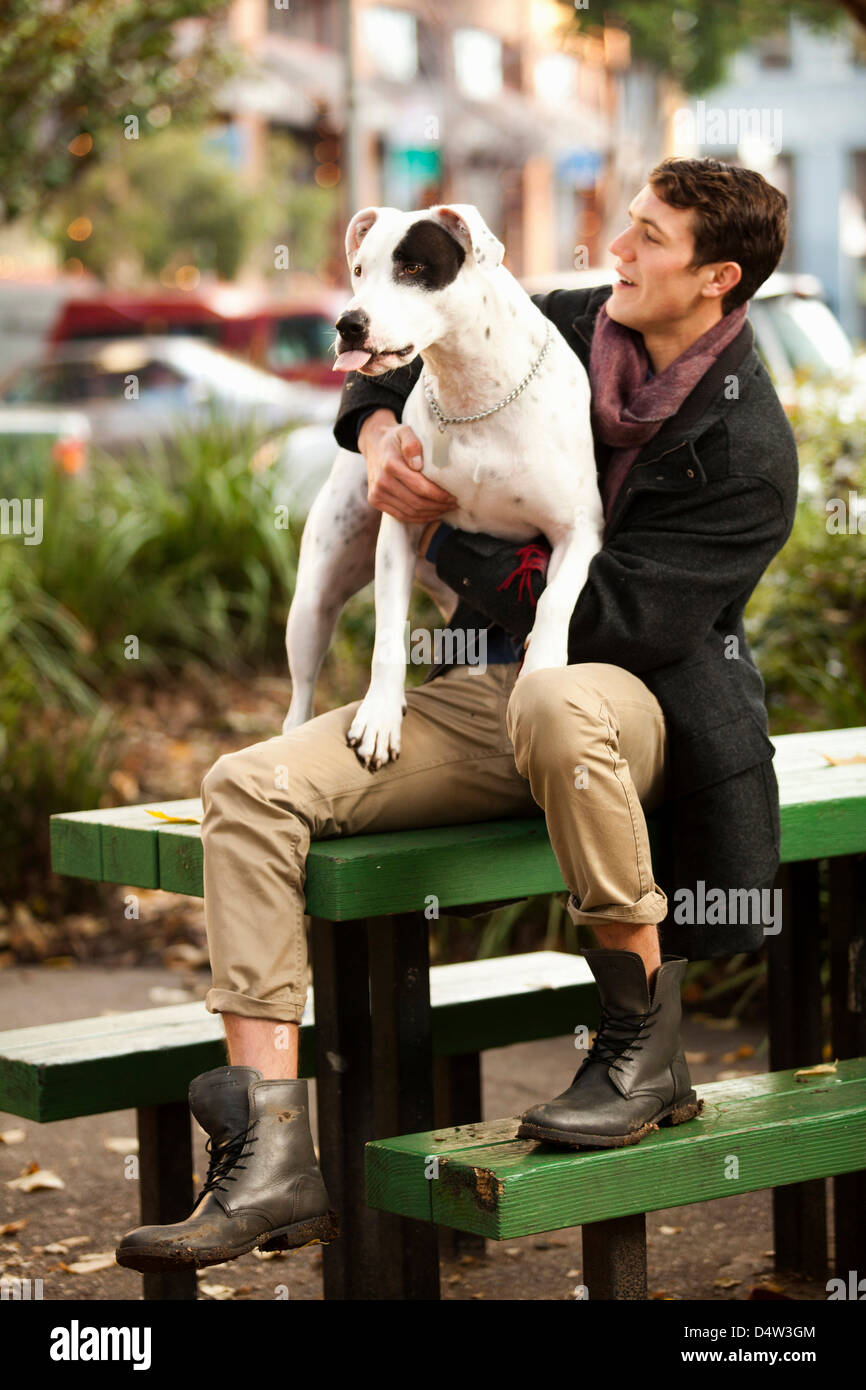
429,246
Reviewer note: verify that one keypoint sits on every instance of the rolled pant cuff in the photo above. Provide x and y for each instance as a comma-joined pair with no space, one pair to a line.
652,907
226,1001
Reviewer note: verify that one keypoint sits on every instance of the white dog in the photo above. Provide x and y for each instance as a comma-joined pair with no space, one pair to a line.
432,282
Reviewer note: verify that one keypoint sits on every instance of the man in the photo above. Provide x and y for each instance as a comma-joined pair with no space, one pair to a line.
661,708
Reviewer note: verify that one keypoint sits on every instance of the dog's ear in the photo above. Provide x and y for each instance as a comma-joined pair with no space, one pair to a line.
467,226
358,229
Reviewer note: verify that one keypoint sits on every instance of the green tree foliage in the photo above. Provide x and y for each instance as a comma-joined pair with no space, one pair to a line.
72,68
155,204
692,40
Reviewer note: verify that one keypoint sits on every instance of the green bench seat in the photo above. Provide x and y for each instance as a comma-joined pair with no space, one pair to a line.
753,1133
59,1071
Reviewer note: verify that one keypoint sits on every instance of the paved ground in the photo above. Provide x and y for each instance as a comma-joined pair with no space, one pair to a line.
716,1250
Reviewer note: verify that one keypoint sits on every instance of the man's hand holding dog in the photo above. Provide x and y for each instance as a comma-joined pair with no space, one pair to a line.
395,483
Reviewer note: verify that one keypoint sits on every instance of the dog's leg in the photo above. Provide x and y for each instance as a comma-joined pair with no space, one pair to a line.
566,575
336,559
375,730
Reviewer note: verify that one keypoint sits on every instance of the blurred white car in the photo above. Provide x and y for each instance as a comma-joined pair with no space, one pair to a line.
131,390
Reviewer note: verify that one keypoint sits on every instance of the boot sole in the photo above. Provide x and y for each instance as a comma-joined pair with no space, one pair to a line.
679,1114
320,1230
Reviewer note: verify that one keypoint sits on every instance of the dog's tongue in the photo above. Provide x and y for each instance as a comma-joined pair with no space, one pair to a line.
351,361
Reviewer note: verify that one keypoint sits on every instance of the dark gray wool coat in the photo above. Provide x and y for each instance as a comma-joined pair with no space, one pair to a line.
707,504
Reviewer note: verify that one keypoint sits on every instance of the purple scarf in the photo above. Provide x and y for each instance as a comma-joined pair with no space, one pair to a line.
628,409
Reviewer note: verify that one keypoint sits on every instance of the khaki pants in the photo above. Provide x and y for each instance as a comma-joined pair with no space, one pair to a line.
585,743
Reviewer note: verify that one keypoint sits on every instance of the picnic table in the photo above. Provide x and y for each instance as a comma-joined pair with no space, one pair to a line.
370,955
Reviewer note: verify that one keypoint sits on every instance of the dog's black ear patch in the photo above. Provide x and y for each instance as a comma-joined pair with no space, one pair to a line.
435,250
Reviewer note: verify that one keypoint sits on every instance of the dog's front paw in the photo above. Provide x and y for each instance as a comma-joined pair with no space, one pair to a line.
375,732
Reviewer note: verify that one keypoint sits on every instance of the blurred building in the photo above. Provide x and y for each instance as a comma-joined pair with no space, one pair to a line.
794,107
492,102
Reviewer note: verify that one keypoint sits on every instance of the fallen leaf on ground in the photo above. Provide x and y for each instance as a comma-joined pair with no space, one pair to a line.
89,1264
12,1136
122,1146
36,1181
12,1226
217,1291
163,994
64,1245
695,1059
726,1283
844,762
669,1230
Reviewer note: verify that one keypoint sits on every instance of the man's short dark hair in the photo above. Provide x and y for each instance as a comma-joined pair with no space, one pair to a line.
738,216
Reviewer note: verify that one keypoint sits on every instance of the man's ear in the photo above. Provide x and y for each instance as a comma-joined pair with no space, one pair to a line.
357,230
725,276
465,223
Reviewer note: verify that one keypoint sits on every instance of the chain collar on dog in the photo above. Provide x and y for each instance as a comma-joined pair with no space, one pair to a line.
482,414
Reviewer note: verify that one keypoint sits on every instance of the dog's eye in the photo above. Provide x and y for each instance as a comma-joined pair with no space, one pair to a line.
357,270
413,269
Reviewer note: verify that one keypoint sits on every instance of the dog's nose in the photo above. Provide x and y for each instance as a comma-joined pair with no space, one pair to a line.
352,326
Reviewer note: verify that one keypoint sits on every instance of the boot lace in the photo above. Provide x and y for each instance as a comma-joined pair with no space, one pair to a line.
225,1158
618,1034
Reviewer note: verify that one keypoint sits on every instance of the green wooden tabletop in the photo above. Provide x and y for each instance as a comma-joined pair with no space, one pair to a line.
822,786
754,1132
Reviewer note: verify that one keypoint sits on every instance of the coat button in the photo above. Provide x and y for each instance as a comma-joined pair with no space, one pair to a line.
465,582
690,472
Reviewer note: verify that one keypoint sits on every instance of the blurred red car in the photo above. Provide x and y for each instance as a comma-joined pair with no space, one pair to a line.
292,338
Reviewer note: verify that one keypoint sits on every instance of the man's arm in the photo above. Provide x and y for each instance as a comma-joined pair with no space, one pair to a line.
653,591
361,394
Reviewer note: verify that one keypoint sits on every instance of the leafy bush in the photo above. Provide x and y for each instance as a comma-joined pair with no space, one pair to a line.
806,621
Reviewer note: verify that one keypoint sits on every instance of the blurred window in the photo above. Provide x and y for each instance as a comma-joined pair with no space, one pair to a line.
303,338
317,21
478,63
390,38
556,79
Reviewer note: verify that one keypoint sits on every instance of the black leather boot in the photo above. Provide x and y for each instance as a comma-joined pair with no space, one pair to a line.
634,1077
263,1186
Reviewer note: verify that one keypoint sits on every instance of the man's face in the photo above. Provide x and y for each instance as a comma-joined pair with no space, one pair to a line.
654,253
